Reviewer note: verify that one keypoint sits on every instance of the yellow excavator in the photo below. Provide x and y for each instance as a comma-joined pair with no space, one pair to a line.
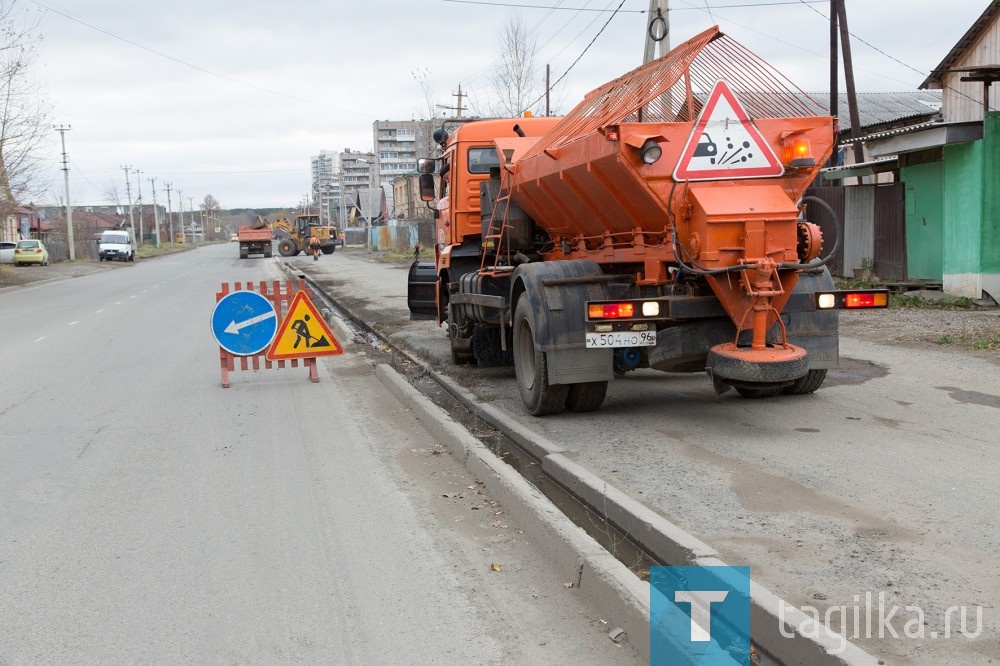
294,234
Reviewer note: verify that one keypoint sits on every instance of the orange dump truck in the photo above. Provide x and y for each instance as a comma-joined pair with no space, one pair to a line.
659,224
254,238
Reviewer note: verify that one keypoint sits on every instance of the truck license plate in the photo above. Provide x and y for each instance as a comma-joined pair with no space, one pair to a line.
621,339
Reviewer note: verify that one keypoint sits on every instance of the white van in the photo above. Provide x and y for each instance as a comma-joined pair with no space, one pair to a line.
116,244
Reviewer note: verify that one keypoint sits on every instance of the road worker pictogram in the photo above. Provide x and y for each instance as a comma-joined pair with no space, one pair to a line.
725,143
303,333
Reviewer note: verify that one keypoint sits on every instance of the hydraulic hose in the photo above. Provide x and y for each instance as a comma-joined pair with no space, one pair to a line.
837,225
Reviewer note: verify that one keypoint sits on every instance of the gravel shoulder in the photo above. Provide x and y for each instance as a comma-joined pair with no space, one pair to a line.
958,329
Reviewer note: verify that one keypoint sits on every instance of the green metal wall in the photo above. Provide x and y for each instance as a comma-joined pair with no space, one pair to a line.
924,220
991,194
963,205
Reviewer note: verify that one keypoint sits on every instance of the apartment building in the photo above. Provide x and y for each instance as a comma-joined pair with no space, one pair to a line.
336,178
399,144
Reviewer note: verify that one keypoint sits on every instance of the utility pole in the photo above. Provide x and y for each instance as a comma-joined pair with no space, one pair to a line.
834,83
548,87
457,109
170,218
69,209
852,97
128,191
657,31
138,187
191,210
156,213
180,209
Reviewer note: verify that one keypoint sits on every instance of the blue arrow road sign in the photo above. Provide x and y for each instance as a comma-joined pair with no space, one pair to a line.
244,323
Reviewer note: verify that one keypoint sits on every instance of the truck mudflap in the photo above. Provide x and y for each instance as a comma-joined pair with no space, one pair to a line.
557,293
421,290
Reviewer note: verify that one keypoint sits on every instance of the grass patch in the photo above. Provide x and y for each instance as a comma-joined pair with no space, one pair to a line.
945,303
406,256
150,250
979,341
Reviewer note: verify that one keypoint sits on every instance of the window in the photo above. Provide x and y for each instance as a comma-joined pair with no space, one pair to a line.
482,159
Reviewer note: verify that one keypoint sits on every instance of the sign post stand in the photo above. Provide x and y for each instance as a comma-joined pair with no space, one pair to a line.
245,323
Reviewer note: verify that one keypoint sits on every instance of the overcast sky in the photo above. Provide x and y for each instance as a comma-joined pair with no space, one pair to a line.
232,97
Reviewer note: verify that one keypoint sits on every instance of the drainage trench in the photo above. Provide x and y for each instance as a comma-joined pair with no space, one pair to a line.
495,438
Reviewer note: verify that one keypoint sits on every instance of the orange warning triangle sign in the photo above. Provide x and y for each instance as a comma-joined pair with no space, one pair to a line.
725,143
303,333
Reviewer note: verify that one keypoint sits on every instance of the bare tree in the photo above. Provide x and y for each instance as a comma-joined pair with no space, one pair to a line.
422,76
211,209
113,193
516,81
23,114
210,204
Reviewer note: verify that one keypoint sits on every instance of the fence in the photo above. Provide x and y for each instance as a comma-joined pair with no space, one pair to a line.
873,224
396,235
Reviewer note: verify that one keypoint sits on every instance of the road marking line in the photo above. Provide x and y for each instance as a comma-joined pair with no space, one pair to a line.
98,311
40,339
73,323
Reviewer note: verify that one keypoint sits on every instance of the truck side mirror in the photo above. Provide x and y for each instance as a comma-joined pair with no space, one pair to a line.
426,186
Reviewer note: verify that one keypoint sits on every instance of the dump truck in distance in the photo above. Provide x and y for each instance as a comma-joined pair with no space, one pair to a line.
254,238
659,224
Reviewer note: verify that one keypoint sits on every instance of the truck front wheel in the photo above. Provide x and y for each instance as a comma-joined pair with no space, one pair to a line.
812,381
530,366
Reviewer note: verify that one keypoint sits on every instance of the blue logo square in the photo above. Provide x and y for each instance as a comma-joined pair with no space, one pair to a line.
699,616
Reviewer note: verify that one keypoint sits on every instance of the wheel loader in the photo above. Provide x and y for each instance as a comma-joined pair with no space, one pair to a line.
293,236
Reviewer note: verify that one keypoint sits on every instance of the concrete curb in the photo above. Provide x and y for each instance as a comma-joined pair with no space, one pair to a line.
780,628
618,595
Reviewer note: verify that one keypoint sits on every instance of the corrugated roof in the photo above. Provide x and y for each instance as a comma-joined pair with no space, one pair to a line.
883,108
956,54
888,133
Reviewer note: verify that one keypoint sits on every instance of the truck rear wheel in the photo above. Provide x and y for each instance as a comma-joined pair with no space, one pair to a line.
586,397
328,249
288,248
530,366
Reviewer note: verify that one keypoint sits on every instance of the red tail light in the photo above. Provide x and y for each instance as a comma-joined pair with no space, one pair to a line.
851,300
866,300
611,310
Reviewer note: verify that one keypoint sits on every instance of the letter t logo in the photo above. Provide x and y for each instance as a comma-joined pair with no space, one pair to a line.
701,604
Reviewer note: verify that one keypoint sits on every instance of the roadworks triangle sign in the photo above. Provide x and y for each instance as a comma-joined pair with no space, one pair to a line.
303,333
725,144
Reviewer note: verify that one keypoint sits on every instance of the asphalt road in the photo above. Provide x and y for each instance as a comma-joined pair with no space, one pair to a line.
884,481
148,515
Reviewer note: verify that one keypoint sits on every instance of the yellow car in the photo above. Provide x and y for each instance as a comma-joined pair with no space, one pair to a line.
30,252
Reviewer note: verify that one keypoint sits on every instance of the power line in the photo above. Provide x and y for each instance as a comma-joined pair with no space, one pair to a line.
628,11
549,7
587,48
284,96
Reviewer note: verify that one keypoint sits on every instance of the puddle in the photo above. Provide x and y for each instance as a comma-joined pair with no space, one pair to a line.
971,397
